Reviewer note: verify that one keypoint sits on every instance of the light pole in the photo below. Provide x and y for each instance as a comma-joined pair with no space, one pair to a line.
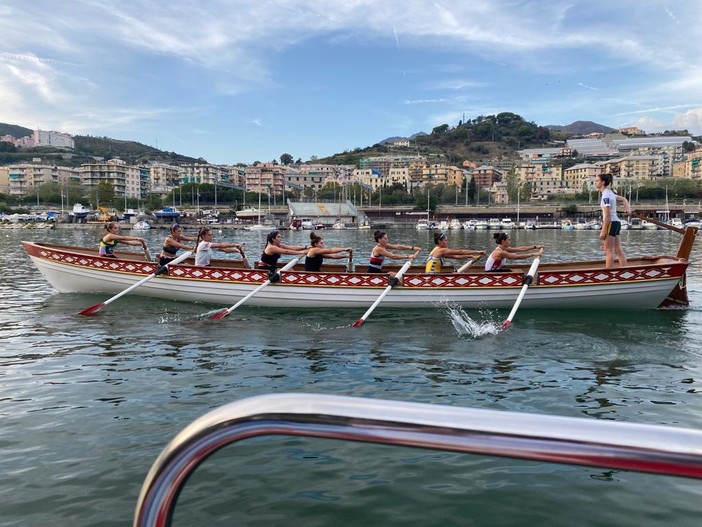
518,195
466,191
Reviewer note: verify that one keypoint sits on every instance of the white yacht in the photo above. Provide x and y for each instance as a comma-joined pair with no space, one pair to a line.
423,225
454,224
494,224
507,223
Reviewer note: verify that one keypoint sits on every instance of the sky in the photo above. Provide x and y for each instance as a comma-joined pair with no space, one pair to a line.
244,81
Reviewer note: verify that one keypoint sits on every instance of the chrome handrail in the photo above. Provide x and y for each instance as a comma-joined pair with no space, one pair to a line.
606,444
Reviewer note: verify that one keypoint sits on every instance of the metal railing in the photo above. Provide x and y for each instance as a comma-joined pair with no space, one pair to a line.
579,441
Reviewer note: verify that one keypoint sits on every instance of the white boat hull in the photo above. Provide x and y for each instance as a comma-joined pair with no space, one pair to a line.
640,286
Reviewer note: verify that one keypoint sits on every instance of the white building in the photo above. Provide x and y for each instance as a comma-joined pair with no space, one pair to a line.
57,139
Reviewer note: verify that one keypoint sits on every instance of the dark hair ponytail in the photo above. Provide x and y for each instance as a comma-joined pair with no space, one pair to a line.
378,234
314,239
271,236
200,235
606,178
500,237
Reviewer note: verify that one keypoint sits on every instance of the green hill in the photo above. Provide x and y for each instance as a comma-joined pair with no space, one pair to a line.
484,139
130,151
87,148
14,130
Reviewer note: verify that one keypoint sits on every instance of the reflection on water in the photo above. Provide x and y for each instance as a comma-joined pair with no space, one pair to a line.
87,403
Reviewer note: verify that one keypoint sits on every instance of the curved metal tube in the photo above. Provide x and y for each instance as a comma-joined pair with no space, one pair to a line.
578,441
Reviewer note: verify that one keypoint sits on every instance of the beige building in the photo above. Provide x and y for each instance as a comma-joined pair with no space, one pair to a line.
581,176
438,173
636,167
266,178
163,178
125,179
400,176
24,178
369,177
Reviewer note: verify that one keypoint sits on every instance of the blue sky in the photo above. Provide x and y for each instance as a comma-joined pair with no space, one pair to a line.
243,81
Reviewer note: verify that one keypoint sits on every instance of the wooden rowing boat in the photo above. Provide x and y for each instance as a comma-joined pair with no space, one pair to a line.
646,283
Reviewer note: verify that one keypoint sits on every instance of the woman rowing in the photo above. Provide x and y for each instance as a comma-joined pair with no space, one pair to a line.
380,252
109,242
274,249
436,257
496,260
174,242
204,245
317,253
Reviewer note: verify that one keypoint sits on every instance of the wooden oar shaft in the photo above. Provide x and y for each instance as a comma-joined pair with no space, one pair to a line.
659,223
469,263
221,314
529,277
95,308
399,274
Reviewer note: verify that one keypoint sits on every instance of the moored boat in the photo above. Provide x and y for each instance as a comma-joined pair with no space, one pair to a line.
646,283
167,213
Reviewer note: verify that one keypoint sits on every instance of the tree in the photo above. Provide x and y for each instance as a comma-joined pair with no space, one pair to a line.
105,194
286,159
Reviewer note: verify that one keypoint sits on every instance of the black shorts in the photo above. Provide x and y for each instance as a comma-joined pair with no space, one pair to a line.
376,270
615,228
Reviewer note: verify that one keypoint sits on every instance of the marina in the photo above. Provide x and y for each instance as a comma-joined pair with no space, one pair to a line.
90,402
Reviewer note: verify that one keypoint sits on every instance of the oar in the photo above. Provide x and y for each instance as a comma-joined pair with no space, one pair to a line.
394,280
470,262
349,267
160,270
147,254
225,312
527,281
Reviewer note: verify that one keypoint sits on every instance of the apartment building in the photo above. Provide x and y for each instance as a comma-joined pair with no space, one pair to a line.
57,139
486,175
439,173
581,176
266,178
24,178
125,179
163,178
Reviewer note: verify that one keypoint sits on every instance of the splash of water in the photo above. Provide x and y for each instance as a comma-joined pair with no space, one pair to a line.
465,326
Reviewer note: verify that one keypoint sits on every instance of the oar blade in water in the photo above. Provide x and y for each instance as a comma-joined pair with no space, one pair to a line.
92,309
220,315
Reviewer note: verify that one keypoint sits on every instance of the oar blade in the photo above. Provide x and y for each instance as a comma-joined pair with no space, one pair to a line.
506,324
220,315
358,323
92,309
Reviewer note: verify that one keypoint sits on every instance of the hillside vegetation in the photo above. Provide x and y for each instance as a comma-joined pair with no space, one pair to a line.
483,139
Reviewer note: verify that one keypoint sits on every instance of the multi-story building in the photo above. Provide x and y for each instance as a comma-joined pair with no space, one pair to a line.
439,173
163,178
581,176
57,139
400,176
369,177
637,167
26,177
125,179
312,176
690,167
485,176
266,178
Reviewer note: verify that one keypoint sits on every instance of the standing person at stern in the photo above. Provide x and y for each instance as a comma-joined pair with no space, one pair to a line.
611,226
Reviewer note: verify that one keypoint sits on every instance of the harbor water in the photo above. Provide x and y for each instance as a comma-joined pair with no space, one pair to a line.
88,403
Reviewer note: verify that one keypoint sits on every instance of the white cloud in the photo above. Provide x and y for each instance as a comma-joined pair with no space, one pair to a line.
691,120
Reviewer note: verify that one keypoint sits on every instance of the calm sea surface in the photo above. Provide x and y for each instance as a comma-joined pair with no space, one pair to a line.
87,404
